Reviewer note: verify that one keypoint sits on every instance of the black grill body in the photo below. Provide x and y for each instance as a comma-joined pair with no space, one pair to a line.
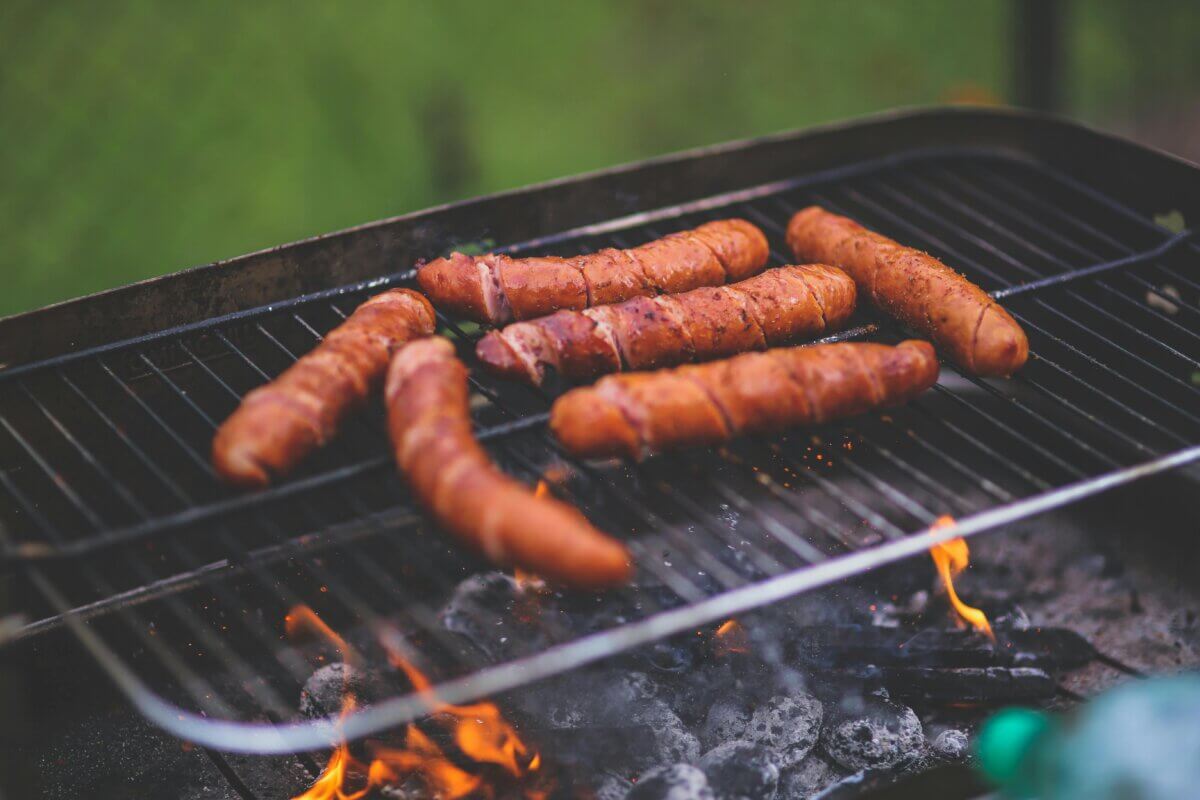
114,525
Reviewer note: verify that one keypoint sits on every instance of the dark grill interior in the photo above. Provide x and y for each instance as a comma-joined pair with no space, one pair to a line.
111,508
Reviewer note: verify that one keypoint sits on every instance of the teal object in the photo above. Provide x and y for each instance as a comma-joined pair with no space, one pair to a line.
1138,742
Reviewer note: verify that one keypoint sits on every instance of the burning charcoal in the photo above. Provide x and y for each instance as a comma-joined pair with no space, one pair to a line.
950,744
673,741
676,782
808,778
326,688
789,725
871,732
741,770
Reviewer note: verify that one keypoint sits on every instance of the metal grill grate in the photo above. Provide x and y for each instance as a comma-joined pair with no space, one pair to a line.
179,587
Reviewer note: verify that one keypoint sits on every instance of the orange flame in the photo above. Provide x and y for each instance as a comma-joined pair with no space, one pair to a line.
730,638
480,732
302,619
542,489
951,558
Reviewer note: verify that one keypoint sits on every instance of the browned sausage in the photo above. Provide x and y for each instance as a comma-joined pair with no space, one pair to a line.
644,333
452,476
495,288
277,425
917,289
632,415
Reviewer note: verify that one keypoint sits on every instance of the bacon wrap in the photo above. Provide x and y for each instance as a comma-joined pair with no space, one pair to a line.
497,289
278,424
917,289
450,473
775,307
639,413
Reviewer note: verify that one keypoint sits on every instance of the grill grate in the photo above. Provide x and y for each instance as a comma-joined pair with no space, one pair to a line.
184,585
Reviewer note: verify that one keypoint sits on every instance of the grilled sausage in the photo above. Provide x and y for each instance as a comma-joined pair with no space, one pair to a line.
644,333
452,476
631,415
917,289
277,425
497,289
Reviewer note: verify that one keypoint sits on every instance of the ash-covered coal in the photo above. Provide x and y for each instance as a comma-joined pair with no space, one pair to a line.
788,725
741,770
674,782
869,731
951,745
808,778
326,689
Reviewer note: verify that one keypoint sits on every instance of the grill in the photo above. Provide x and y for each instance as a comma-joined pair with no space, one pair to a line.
178,588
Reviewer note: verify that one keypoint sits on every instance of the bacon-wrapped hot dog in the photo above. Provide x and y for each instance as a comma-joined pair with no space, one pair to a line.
497,289
644,333
917,289
631,415
277,425
430,426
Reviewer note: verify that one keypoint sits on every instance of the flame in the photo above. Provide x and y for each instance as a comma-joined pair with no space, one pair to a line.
730,638
542,489
951,558
480,732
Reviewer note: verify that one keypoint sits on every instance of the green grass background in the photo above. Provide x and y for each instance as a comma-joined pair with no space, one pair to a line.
138,138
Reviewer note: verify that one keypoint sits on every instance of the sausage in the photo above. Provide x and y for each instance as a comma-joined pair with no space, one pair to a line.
917,289
635,414
280,423
772,308
452,476
497,289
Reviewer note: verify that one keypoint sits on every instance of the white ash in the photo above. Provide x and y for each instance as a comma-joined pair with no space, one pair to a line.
674,782
788,725
727,719
951,744
741,770
673,741
872,732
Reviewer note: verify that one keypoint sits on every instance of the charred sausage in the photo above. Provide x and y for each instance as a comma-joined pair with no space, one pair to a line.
917,289
635,414
452,476
497,289
277,425
645,333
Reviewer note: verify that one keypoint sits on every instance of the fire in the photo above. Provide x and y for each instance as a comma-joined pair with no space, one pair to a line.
951,558
480,732
730,638
542,489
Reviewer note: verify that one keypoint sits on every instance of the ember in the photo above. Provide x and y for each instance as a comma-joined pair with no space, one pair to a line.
951,558
479,730
730,638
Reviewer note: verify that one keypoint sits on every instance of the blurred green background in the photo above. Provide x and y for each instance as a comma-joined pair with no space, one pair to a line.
138,138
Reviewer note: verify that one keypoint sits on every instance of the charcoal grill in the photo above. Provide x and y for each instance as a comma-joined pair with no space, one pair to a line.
113,525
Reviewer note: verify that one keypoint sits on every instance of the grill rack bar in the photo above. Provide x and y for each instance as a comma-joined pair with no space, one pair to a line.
907,491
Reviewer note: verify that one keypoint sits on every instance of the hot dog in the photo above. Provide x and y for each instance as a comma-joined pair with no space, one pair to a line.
645,333
430,426
277,425
917,289
639,413
497,289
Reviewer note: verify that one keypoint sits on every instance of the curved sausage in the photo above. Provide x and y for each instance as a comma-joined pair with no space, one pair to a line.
632,415
917,289
430,426
778,306
496,288
280,423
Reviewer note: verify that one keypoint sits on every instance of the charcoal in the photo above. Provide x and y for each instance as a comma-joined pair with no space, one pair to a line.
960,685
741,770
674,782
834,646
871,732
788,725
494,613
808,778
727,719
951,745
672,655
325,689
693,694
673,741
610,787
